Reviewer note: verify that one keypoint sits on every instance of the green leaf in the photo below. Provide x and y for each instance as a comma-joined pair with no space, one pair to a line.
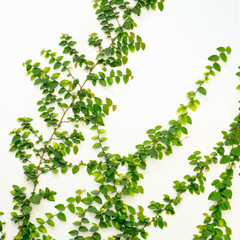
221,49
225,238
98,101
131,47
35,199
238,74
160,6
61,216
140,189
184,130
63,43
143,46
25,135
223,56
75,169
71,208
125,79
16,138
36,71
73,233
109,213
86,201
109,102
227,193
125,50
151,131
213,58
238,87
60,207
141,216
57,65
42,229
100,56
106,109
215,196
72,43
13,148
228,231
103,82
93,35
98,200
112,73
92,209
103,189
128,72
50,222
49,215
55,145
66,63
235,151
102,225
42,108
153,153
99,178
95,192
71,199
40,221
131,210
117,79
217,67
228,50
119,73
193,105
75,149
140,208
124,60
202,90
110,81
64,83
44,115
46,70
83,229
66,50
55,76
225,159
139,39
67,95
85,220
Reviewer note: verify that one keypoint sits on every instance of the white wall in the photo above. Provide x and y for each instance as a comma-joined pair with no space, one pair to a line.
179,41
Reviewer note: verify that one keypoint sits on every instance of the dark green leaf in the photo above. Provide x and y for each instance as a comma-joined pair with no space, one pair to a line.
215,196
213,58
202,90
225,159
61,216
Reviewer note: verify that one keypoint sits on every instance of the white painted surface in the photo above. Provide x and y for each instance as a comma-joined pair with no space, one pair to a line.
179,41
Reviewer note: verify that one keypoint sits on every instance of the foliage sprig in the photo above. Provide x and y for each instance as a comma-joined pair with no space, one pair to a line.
67,100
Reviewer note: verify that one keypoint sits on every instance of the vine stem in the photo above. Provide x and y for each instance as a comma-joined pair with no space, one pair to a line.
89,73
49,141
70,73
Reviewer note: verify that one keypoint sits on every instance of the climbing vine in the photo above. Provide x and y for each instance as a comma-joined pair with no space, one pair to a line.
67,100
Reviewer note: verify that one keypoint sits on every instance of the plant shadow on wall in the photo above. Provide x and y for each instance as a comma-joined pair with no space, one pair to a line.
68,101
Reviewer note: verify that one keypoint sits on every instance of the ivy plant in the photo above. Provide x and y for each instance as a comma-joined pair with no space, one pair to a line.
67,101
